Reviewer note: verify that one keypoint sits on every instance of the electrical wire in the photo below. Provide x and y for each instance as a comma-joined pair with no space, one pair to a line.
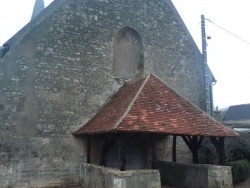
228,32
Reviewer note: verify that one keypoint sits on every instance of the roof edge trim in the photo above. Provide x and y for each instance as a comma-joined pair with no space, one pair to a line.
132,103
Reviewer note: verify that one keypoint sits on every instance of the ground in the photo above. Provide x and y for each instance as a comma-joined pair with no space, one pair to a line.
244,184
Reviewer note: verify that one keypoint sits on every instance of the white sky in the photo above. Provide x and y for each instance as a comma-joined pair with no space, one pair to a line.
14,14
228,57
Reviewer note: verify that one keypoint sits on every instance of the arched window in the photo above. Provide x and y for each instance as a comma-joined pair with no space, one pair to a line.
128,54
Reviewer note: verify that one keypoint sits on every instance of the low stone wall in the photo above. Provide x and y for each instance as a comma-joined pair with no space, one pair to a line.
93,176
195,175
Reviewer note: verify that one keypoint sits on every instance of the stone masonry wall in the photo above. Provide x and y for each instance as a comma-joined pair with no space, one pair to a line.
96,176
164,150
60,74
195,175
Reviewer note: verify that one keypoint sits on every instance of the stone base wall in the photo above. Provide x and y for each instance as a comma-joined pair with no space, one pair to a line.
195,175
95,176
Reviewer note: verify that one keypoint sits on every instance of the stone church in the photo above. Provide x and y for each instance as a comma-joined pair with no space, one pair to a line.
61,72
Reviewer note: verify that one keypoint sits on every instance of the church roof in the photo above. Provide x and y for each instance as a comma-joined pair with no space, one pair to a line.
38,7
151,106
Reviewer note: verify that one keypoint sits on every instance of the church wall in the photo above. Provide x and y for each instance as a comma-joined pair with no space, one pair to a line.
61,73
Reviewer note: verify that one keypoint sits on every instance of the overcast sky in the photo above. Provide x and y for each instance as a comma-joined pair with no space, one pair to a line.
228,56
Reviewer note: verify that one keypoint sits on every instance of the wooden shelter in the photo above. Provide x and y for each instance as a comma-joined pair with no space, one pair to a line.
151,107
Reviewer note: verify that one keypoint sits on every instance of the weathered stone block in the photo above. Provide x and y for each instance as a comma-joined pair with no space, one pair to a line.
95,176
195,175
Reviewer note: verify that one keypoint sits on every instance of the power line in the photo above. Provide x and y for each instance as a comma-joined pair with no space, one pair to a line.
229,32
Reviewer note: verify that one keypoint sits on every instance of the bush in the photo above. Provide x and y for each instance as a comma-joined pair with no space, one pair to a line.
237,152
235,148
240,170
241,147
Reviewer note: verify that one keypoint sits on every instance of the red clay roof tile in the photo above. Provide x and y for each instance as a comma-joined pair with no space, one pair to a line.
149,105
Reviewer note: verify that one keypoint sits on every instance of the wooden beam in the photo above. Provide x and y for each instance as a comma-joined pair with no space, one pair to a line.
195,149
174,149
189,139
193,144
122,159
215,143
186,140
222,148
109,144
102,161
200,141
153,147
88,148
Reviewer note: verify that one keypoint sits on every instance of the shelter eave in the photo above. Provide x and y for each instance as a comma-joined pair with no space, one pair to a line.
172,133
151,106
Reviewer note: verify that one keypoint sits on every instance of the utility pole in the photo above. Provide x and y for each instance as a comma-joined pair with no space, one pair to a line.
204,58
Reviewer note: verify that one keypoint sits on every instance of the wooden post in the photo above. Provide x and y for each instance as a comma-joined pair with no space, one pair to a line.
102,161
195,149
222,154
122,159
174,149
88,148
220,147
153,147
194,145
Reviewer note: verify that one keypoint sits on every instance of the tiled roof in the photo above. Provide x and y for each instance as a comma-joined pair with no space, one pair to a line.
150,106
238,113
